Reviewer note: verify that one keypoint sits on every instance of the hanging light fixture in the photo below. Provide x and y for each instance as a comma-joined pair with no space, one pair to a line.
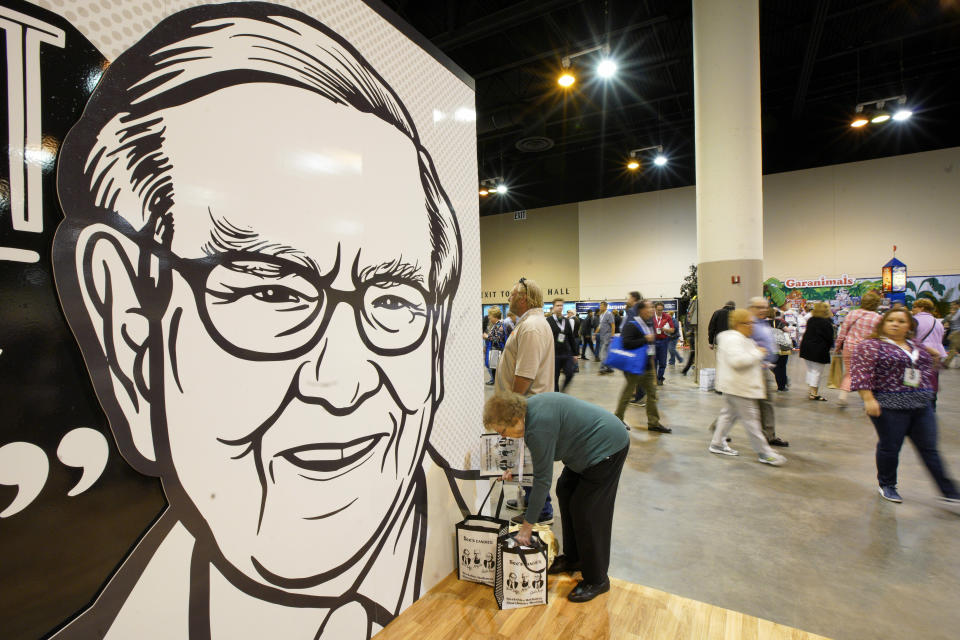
878,113
633,163
606,68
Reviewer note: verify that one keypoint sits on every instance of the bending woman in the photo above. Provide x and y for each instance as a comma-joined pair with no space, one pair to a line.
894,375
592,444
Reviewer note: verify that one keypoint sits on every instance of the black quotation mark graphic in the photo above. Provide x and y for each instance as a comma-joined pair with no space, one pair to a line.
25,465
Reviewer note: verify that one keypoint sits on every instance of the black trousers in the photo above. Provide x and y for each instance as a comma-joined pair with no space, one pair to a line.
780,372
586,508
567,366
692,339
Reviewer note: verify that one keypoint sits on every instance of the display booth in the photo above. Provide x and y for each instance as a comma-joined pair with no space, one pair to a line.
238,249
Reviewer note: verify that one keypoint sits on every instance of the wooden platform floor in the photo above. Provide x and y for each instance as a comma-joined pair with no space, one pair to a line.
456,610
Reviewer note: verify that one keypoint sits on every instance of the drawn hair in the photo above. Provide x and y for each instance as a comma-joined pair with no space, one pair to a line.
113,163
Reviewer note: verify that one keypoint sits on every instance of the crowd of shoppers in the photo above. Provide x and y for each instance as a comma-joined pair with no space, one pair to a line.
892,361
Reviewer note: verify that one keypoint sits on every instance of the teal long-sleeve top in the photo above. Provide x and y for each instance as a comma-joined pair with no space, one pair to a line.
577,433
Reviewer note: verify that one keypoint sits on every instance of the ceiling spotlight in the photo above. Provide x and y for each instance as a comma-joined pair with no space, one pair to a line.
634,163
606,68
566,80
501,189
878,113
484,192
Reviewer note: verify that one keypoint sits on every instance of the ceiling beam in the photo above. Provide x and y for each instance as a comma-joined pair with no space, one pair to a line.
810,56
886,41
510,129
497,21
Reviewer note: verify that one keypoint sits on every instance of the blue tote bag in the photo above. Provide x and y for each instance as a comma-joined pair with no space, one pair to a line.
628,360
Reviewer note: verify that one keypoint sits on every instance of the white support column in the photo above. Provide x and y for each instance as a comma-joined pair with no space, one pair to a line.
726,70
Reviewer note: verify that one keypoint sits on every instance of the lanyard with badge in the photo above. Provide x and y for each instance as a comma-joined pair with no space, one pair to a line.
560,336
911,375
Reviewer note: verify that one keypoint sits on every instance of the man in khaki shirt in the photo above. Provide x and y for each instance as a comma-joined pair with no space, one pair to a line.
527,363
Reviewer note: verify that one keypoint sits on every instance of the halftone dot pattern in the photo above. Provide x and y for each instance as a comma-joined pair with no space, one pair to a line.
433,95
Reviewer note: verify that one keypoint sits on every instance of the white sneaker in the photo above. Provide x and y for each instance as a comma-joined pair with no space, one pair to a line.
725,450
774,459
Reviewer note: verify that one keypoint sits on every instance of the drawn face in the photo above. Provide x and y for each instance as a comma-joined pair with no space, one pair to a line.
302,385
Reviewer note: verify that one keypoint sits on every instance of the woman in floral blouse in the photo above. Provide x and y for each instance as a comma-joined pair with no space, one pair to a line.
857,326
895,375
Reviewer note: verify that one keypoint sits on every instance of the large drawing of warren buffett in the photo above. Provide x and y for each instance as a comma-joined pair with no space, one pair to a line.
258,261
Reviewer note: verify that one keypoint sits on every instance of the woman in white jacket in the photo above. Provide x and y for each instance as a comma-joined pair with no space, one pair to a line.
740,379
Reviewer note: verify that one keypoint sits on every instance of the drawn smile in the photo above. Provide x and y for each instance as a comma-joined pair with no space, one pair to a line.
331,457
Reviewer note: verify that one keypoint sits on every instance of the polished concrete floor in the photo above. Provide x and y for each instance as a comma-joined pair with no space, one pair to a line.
809,545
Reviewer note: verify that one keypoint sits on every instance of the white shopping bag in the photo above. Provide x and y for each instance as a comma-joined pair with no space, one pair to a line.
477,537
521,579
708,379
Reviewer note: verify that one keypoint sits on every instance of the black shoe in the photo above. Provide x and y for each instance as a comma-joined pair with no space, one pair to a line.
562,564
777,442
659,383
659,428
490,382
584,592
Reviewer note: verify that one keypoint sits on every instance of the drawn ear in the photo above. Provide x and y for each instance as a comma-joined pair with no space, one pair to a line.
440,333
107,279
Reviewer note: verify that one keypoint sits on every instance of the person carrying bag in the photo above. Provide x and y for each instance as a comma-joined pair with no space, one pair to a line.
521,579
637,340
632,361
477,538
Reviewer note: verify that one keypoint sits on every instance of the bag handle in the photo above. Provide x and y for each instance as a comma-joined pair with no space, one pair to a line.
499,503
536,544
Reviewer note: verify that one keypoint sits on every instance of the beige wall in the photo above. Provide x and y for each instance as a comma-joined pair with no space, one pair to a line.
645,241
846,218
825,221
544,247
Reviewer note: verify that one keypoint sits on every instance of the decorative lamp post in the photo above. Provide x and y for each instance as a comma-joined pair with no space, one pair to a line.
895,280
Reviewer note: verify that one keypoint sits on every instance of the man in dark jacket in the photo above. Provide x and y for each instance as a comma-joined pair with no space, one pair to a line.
635,334
564,346
719,322
586,335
